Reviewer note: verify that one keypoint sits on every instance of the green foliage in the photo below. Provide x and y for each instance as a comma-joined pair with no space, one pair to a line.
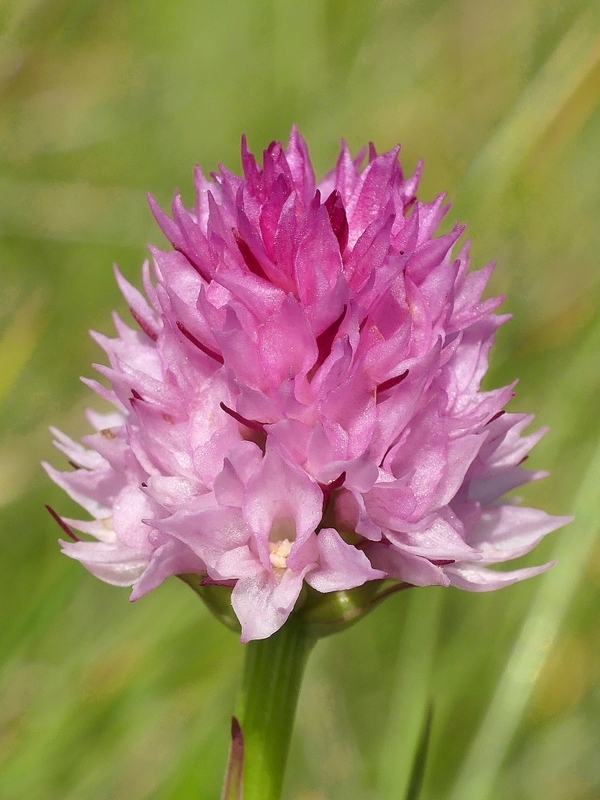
100,102
418,771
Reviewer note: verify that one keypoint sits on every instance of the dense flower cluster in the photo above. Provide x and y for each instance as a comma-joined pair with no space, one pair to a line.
300,400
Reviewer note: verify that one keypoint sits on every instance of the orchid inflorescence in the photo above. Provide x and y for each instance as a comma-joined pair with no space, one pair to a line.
299,404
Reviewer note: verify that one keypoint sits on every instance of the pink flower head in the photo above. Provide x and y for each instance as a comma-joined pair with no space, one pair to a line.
299,401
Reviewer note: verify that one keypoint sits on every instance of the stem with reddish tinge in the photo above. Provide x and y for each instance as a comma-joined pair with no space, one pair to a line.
273,673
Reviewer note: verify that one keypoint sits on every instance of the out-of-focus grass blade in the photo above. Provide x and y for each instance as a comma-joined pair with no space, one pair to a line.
418,772
573,60
571,388
19,340
93,708
540,628
408,704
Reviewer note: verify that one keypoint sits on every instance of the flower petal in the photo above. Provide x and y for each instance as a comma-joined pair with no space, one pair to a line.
341,565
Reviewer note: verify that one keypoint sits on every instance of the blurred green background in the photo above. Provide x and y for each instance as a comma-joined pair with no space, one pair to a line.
99,102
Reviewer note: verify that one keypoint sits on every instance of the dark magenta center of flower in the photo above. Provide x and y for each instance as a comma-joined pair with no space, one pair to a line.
338,219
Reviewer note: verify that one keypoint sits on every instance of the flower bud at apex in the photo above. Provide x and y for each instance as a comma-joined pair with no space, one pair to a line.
298,422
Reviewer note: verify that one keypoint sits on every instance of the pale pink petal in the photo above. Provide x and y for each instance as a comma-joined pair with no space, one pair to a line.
506,532
407,567
171,558
131,506
341,565
262,603
281,492
437,540
112,563
208,532
479,579
240,562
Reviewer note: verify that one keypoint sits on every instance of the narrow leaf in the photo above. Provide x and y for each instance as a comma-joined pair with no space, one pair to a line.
418,771
543,99
410,696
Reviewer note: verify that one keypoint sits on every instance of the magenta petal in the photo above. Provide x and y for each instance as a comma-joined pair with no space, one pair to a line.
286,343
352,515
238,466
300,166
141,311
459,457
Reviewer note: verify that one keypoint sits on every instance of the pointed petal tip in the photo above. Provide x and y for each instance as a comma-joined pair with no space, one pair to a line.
234,776
237,735
564,520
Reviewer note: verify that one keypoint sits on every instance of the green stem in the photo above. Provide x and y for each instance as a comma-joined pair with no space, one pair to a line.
273,672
